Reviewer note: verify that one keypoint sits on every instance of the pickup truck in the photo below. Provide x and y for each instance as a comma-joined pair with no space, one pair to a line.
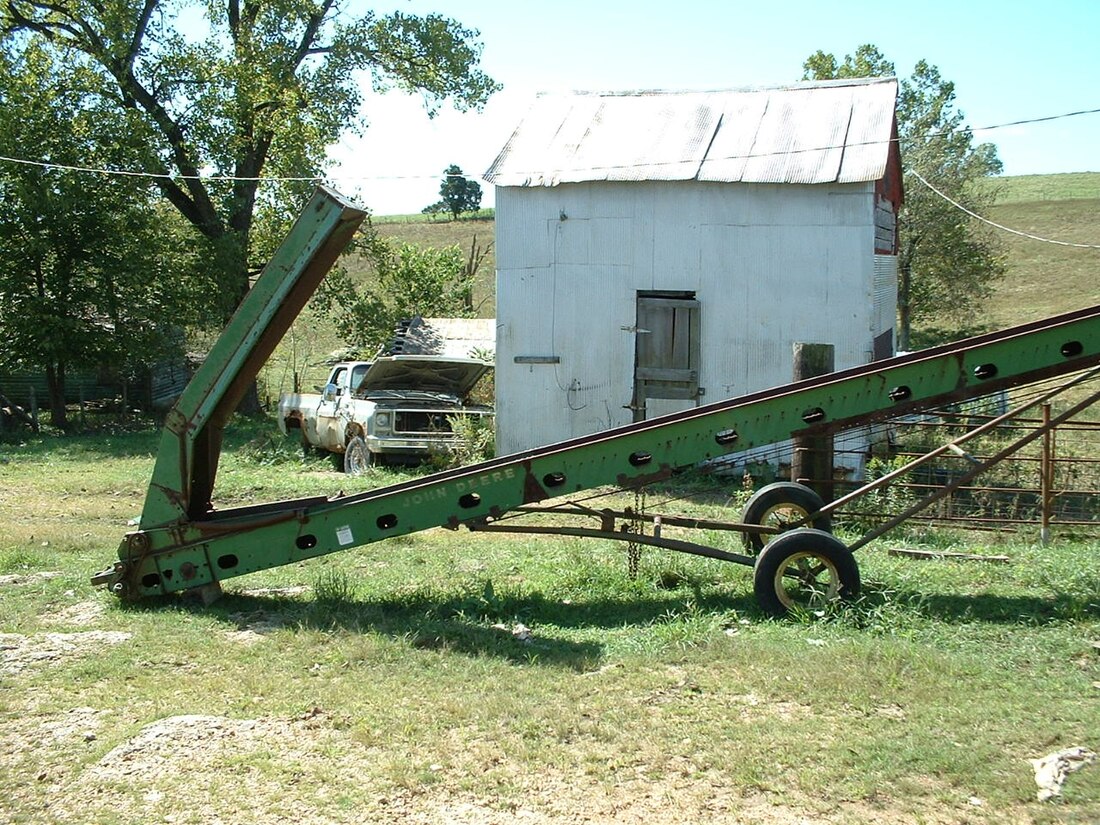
397,408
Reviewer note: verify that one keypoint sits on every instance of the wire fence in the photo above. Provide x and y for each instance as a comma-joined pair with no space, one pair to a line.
1053,482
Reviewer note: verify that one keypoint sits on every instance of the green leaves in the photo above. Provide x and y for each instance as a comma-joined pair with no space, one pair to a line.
404,280
457,193
947,262
240,90
92,272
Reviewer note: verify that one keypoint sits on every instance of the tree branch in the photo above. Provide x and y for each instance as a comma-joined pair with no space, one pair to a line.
139,33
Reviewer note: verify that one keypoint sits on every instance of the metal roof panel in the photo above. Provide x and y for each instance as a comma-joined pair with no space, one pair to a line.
804,133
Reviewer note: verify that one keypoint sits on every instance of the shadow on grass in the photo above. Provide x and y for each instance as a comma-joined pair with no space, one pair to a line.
1021,610
469,624
969,608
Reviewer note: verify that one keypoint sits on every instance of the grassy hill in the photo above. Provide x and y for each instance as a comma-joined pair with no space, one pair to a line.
1046,278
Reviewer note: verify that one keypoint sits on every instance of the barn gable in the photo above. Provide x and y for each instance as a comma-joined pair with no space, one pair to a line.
659,250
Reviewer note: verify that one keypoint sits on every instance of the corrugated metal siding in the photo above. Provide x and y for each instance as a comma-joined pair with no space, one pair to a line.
885,287
770,265
831,131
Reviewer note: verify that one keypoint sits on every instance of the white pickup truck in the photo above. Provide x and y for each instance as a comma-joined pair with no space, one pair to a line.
397,408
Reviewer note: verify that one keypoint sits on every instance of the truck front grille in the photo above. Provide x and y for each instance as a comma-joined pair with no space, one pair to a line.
424,422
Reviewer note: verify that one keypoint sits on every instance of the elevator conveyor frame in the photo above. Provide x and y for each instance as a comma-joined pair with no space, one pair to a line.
184,543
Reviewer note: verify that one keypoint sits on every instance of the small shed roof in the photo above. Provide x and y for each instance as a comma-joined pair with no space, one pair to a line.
834,131
445,337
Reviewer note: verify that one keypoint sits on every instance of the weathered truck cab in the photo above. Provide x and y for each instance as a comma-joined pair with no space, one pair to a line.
397,408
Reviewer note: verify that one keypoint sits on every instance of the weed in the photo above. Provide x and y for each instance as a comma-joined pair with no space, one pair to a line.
474,441
333,587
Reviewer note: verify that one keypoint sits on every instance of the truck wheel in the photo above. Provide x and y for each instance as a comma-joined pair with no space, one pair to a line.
780,505
804,568
307,448
357,458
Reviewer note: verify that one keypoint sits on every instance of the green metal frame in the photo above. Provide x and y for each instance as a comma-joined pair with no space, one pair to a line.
183,543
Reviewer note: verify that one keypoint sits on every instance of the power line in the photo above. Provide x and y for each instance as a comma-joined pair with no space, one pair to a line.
975,215
321,178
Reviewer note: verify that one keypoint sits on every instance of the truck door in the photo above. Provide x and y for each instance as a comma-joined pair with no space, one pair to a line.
666,353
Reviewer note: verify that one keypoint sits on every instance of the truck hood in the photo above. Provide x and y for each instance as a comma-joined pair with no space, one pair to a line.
423,373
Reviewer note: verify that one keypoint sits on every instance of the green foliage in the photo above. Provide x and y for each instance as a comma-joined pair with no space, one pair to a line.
474,441
876,506
457,194
223,93
406,280
947,264
92,272
333,587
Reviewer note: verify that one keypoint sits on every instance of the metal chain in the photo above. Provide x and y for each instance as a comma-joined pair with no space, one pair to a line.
636,528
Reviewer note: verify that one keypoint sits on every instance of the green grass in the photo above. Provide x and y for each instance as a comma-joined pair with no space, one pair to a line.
389,684
1031,188
1044,279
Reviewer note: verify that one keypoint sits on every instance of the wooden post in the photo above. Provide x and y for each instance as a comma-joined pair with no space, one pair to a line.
812,456
1046,478
34,409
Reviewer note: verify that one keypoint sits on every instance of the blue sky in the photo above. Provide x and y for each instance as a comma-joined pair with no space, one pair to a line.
1010,60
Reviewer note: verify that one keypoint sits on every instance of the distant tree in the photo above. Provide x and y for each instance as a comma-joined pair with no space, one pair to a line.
91,272
458,193
947,263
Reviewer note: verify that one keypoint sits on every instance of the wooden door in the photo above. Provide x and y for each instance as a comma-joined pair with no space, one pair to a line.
666,351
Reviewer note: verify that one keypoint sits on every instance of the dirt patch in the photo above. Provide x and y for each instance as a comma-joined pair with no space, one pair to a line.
204,768
166,742
28,578
253,627
78,724
301,771
80,614
289,592
19,652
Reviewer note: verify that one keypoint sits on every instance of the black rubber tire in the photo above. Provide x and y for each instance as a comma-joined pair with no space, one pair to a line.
779,503
308,450
357,458
802,556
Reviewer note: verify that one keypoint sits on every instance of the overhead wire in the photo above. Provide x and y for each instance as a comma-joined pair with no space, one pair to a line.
750,156
1002,227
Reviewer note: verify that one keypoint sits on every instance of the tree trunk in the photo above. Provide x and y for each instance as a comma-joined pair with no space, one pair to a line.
55,387
904,308
236,285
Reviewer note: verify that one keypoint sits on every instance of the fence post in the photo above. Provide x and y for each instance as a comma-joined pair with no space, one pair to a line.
1046,478
34,409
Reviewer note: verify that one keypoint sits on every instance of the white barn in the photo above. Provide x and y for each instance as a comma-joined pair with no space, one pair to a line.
658,250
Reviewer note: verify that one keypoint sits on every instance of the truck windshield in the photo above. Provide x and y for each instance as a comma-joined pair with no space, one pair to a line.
357,373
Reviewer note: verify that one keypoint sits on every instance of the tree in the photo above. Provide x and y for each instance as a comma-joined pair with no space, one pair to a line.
404,280
84,259
947,263
458,193
262,89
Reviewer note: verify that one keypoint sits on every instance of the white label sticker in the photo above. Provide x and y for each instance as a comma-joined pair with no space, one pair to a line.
344,536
